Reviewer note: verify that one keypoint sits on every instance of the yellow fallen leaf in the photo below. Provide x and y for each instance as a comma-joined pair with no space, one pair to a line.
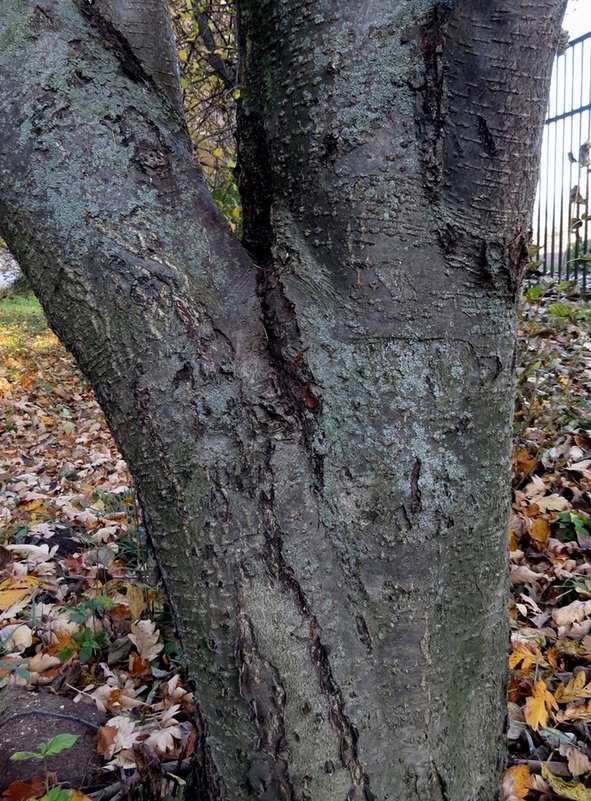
527,653
536,706
136,600
10,597
575,791
32,505
576,688
540,533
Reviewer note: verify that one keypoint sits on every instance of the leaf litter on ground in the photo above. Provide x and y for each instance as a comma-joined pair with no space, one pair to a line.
81,611
550,551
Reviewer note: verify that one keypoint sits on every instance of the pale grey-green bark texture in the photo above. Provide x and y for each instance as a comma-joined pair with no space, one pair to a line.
319,419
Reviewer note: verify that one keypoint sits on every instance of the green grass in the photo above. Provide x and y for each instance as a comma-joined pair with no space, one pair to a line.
21,319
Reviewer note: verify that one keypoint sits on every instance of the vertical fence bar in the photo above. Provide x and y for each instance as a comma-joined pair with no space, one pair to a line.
562,217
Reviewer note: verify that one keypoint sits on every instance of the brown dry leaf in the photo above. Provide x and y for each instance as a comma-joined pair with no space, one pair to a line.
515,783
105,738
24,791
122,737
553,503
575,791
578,763
575,712
520,574
5,557
536,706
586,646
573,613
539,784
144,635
536,488
138,666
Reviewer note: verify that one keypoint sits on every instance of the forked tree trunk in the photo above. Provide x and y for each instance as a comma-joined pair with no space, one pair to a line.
319,431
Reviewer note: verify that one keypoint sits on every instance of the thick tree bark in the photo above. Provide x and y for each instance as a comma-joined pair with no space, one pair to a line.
319,432
146,26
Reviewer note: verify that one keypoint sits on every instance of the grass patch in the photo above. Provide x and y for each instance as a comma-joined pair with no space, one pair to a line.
23,326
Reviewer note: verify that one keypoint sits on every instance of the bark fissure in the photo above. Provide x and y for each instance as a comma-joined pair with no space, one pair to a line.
346,731
205,779
260,686
431,107
116,43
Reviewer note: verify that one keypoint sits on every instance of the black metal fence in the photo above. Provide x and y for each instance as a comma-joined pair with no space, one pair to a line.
562,214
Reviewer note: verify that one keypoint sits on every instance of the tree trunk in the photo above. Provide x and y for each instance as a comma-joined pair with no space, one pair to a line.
319,431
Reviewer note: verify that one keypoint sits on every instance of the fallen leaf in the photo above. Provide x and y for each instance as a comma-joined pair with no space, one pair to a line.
539,784
575,791
24,791
578,763
576,689
540,533
536,706
16,638
136,600
523,575
515,783
573,613
144,635
554,502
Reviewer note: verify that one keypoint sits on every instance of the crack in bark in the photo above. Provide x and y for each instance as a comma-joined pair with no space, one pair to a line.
438,786
114,41
431,111
295,383
346,731
205,782
486,137
261,687
415,492
275,560
516,257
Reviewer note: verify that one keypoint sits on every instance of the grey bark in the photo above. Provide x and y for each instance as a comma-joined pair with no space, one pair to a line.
146,26
319,431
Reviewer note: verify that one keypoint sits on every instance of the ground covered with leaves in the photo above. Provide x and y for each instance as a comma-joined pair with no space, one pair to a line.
550,552
82,615
81,612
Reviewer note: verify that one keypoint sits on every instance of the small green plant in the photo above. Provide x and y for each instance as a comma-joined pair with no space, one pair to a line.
53,746
14,667
99,603
574,525
89,642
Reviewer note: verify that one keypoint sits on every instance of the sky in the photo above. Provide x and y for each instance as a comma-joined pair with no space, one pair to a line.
577,20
